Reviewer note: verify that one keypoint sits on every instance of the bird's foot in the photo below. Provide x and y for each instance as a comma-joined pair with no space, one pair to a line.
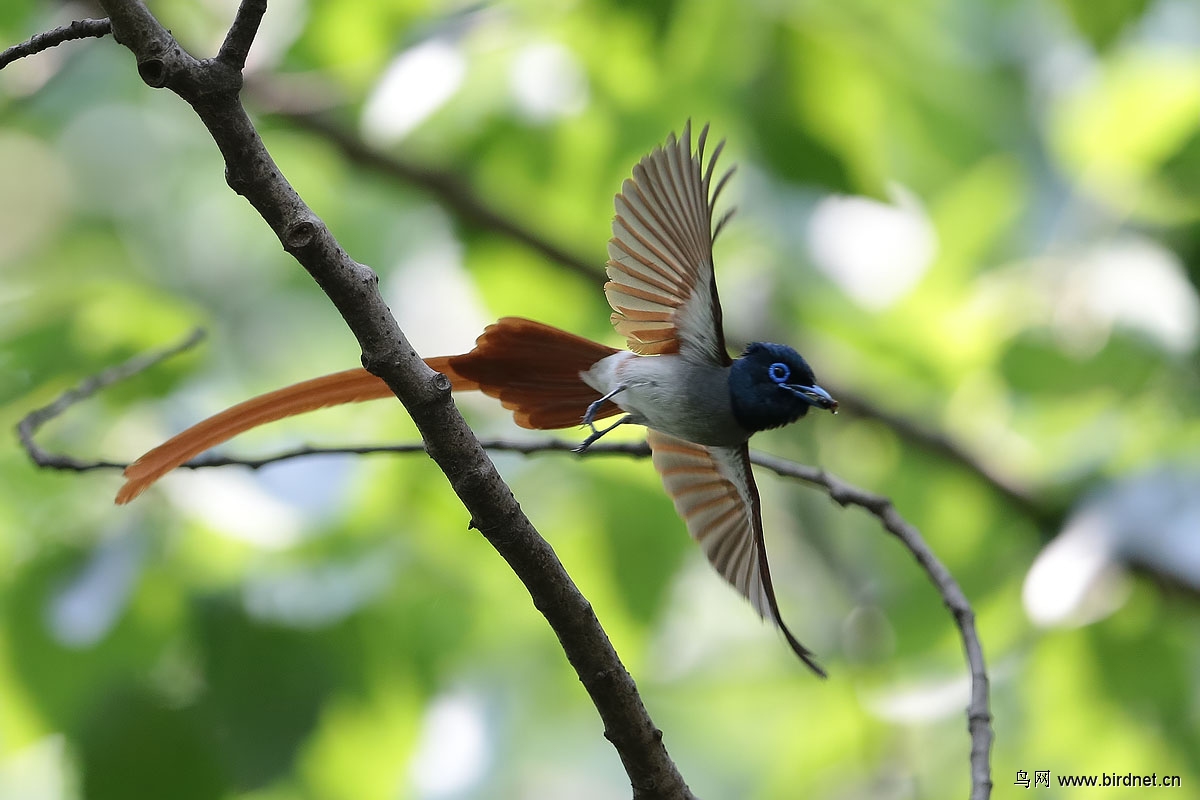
597,433
589,419
582,447
593,408
589,416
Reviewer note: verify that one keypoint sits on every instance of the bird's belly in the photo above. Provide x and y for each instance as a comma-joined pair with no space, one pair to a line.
690,421
683,399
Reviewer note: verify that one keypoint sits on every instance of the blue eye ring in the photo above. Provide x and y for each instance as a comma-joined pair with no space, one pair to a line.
779,372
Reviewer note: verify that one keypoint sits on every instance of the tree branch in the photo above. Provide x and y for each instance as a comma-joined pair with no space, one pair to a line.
845,494
80,29
28,427
211,87
241,34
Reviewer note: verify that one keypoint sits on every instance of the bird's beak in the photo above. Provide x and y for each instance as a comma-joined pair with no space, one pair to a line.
816,396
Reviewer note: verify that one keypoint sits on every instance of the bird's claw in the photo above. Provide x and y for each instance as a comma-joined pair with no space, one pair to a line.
589,416
597,433
582,447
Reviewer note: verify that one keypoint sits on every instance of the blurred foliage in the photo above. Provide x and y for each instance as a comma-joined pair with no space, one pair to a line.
982,216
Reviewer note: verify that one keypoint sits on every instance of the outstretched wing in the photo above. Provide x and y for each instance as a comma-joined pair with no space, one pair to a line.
714,492
660,268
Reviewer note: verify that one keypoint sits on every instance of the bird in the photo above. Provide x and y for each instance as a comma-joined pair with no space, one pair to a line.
675,377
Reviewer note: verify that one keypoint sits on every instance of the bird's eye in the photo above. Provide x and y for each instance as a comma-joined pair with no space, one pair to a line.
779,372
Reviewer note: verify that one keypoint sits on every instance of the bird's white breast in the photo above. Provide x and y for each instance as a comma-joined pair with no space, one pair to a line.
671,394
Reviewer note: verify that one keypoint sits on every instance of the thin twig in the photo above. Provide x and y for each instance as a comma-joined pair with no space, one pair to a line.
241,33
979,716
34,420
80,29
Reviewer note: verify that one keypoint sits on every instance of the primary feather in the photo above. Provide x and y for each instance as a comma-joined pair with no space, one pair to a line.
660,270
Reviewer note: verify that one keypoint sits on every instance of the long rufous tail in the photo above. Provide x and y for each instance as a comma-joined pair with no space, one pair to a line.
533,369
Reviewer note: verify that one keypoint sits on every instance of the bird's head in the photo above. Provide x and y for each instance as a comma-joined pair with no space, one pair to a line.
772,385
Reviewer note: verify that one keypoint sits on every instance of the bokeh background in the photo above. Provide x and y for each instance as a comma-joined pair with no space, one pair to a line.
978,219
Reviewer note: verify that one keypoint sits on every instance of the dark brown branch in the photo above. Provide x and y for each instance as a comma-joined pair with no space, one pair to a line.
212,88
241,34
80,29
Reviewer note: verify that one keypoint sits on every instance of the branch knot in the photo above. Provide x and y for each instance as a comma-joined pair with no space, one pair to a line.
299,235
153,71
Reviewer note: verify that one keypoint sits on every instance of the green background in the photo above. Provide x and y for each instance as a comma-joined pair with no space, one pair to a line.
980,217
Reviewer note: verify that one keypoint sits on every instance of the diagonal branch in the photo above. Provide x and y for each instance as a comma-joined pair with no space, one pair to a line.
212,89
80,29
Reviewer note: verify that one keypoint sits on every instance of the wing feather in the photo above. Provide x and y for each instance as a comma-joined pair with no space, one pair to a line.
713,491
639,273
660,254
636,299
